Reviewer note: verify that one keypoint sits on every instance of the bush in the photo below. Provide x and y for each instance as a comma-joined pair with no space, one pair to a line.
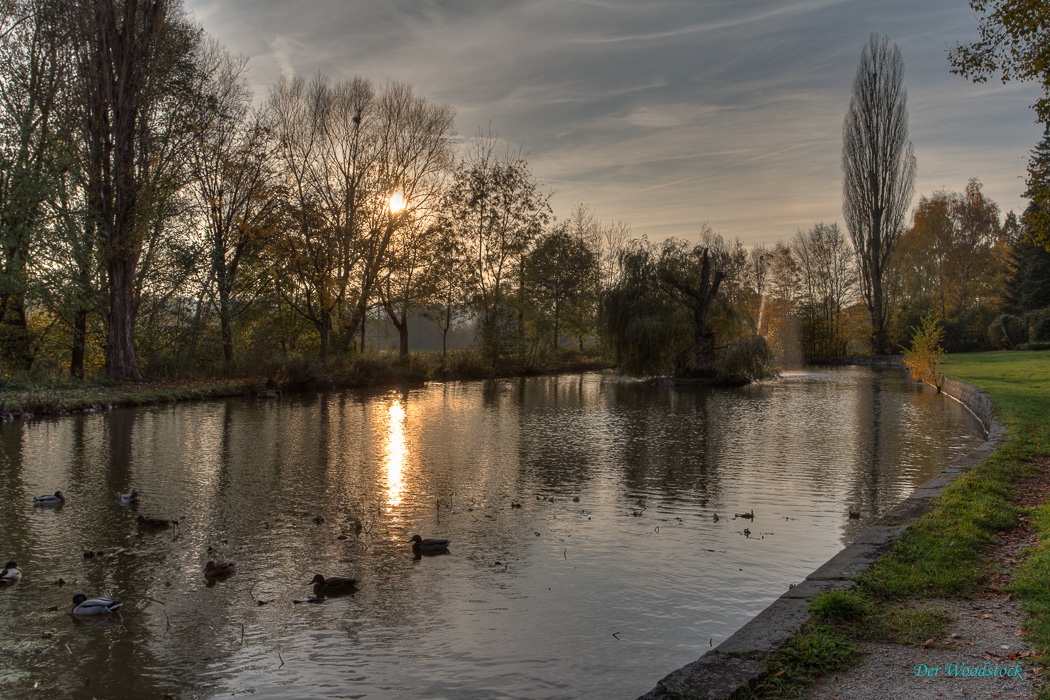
925,355
745,360
1039,322
1007,332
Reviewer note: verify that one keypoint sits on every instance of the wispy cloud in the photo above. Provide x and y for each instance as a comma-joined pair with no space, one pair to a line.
666,113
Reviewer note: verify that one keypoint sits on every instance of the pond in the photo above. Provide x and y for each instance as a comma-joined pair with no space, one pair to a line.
586,558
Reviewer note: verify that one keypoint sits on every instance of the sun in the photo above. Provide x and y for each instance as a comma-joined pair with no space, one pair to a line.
396,203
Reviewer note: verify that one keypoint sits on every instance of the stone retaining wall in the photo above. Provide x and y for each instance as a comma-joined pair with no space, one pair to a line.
738,660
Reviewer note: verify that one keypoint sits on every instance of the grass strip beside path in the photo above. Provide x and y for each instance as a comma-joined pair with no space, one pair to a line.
946,554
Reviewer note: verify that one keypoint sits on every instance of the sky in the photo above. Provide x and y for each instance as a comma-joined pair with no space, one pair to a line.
664,114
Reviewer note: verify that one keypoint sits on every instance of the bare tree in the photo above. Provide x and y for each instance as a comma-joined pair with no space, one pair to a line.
231,169
827,281
878,167
358,166
497,208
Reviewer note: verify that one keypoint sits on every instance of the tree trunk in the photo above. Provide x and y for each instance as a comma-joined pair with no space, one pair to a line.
401,324
121,362
323,329
76,359
224,322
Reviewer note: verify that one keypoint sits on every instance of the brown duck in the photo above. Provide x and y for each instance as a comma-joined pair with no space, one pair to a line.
333,585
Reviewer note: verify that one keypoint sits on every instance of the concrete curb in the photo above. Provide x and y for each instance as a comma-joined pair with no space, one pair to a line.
740,659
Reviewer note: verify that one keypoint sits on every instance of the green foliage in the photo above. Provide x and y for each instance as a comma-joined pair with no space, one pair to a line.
746,359
925,354
1030,584
1028,281
839,606
666,315
561,277
647,329
1014,42
1039,323
808,655
1007,332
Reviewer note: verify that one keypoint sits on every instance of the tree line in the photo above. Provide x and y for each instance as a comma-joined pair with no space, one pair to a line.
156,218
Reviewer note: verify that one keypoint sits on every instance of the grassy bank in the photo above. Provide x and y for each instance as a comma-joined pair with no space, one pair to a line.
57,396
945,554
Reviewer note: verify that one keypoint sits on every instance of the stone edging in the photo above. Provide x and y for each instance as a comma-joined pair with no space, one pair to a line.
740,659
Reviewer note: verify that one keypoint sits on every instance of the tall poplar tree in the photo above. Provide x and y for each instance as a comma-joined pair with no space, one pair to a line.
878,167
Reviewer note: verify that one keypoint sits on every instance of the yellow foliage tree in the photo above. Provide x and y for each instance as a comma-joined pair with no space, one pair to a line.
925,355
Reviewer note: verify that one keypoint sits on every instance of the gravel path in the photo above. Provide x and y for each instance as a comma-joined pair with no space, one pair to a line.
985,633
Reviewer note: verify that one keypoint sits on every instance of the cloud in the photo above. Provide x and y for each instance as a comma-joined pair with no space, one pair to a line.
666,113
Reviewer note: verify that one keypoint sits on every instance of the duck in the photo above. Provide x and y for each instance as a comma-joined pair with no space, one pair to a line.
54,499
10,574
432,545
129,498
82,605
144,523
333,585
215,569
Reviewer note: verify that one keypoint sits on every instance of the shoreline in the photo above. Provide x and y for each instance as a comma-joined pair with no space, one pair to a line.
741,659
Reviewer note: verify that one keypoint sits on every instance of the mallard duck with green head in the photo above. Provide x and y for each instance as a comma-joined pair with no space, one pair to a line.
82,605
10,574
50,499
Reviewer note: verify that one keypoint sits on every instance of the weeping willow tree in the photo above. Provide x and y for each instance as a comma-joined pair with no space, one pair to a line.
667,315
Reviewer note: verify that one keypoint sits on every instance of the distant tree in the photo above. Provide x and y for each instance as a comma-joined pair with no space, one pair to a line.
562,277
497,209
1028,281
879,171
664,315
646,327
449,276
1037,216
414,272
828,281
951,265
232,186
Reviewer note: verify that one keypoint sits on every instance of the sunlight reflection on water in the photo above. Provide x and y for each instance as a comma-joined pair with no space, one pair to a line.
542,595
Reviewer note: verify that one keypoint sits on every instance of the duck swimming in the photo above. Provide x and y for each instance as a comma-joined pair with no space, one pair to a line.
144,523
129,498
82,605
216,569
333,585
431,545
10,574
54,499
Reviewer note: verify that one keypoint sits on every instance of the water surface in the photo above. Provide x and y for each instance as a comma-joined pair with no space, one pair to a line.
586,558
